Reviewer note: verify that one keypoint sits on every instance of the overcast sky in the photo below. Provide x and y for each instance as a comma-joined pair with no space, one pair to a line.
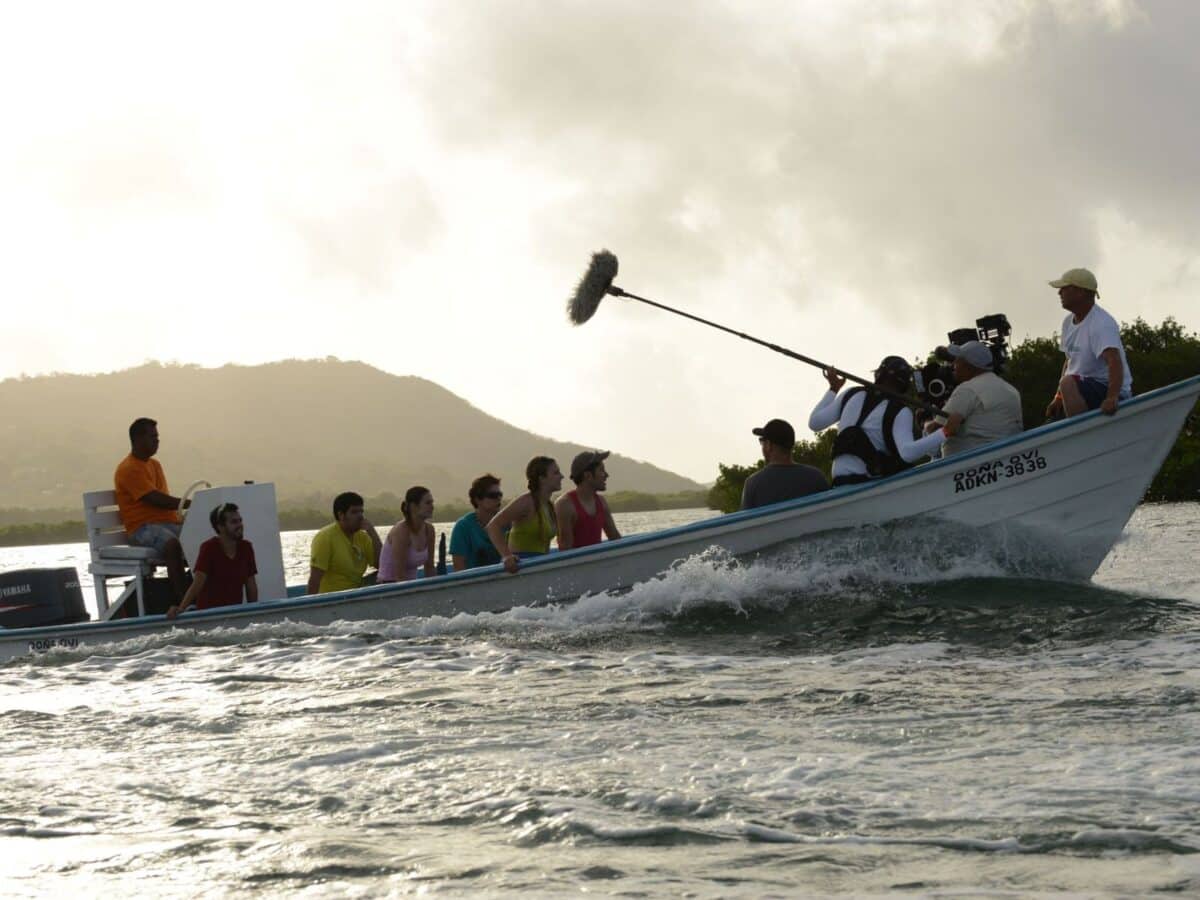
420,186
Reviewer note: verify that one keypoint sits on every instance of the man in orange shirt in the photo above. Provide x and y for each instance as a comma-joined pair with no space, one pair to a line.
148,511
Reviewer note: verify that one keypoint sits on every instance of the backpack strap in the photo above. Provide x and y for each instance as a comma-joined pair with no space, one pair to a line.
895,463
870,401
846,397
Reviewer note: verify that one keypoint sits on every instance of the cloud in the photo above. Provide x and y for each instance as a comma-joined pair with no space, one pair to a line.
930,159
378,227
848,179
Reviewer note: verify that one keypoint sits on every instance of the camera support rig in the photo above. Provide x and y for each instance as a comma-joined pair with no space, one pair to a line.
935,380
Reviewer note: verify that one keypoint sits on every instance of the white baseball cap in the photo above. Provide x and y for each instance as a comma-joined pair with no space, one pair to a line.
977,353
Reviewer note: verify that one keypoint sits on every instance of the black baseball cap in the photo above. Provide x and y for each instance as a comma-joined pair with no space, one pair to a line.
897,367
778,432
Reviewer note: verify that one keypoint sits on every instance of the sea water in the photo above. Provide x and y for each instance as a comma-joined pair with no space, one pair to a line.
857,715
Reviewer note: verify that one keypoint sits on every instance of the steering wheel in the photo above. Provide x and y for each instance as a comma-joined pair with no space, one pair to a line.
187,495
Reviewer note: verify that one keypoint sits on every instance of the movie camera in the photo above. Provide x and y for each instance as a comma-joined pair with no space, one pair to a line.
935,380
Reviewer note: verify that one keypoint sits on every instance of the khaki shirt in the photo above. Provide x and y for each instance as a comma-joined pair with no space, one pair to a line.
991,409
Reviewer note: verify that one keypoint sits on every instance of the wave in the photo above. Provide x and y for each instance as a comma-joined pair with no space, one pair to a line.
930,583
1090,842
539,824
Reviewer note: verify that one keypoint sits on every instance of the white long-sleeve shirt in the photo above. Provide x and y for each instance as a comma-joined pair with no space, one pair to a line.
832,411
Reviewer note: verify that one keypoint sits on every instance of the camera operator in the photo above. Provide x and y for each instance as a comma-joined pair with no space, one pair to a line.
983,407
875,433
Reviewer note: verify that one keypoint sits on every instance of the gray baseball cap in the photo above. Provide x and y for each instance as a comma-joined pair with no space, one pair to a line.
976,353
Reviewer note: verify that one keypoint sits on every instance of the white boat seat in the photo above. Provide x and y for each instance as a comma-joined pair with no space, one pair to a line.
128,551
112,554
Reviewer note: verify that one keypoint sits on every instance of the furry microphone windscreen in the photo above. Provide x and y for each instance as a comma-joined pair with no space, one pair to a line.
592,287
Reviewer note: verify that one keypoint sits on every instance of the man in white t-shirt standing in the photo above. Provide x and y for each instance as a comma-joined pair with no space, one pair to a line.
1095,374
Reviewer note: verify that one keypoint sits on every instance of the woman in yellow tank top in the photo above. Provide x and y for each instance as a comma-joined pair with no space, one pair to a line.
531,516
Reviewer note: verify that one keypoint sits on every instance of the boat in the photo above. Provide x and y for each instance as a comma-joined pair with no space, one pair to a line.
1062,491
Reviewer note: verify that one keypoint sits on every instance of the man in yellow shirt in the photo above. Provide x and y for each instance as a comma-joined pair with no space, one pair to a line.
148,511
343,549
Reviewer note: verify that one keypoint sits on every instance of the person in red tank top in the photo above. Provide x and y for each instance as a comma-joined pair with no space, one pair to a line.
583,516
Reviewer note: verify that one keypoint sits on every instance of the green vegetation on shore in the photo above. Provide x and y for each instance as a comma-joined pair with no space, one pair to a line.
1158,356
33,533
25,527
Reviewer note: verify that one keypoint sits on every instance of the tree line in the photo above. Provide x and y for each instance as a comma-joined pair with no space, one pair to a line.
1158,356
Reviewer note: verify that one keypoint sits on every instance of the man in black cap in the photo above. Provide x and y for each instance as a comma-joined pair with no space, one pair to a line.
782,478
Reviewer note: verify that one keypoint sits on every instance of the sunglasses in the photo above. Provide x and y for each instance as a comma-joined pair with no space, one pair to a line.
494,495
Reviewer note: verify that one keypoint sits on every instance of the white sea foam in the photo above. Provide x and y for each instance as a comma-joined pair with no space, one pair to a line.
841,568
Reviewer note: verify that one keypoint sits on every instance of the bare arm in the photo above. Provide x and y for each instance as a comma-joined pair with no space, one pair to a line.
610,527
376,543
251,590
1116,377
314,581
162,501
564,510
399,541
1056,402
518,509
198,579
458,561
953,424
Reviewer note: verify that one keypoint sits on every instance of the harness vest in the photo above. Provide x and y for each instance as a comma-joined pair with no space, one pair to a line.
854,441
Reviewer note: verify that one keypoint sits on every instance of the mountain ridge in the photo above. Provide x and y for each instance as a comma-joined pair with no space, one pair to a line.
278,421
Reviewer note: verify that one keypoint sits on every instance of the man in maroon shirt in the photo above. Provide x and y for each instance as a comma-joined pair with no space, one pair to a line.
223,567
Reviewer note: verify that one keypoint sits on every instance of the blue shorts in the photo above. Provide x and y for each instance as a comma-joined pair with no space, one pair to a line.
155,535
1094,391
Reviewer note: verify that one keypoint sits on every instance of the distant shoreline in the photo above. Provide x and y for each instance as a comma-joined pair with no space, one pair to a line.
73,531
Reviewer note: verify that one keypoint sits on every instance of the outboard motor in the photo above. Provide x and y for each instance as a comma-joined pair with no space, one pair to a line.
33,597
441,559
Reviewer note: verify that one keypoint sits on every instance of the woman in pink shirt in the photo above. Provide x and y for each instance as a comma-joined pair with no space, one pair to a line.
409,544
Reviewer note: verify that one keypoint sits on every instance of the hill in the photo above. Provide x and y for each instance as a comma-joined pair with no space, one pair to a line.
312,427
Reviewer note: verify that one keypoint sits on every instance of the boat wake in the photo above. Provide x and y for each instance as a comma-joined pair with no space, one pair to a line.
916,583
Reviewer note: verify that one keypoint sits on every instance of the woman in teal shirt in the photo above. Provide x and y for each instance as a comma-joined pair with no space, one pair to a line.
469,542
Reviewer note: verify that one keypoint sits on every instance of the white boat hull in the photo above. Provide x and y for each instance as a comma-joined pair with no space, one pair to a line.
1062,492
